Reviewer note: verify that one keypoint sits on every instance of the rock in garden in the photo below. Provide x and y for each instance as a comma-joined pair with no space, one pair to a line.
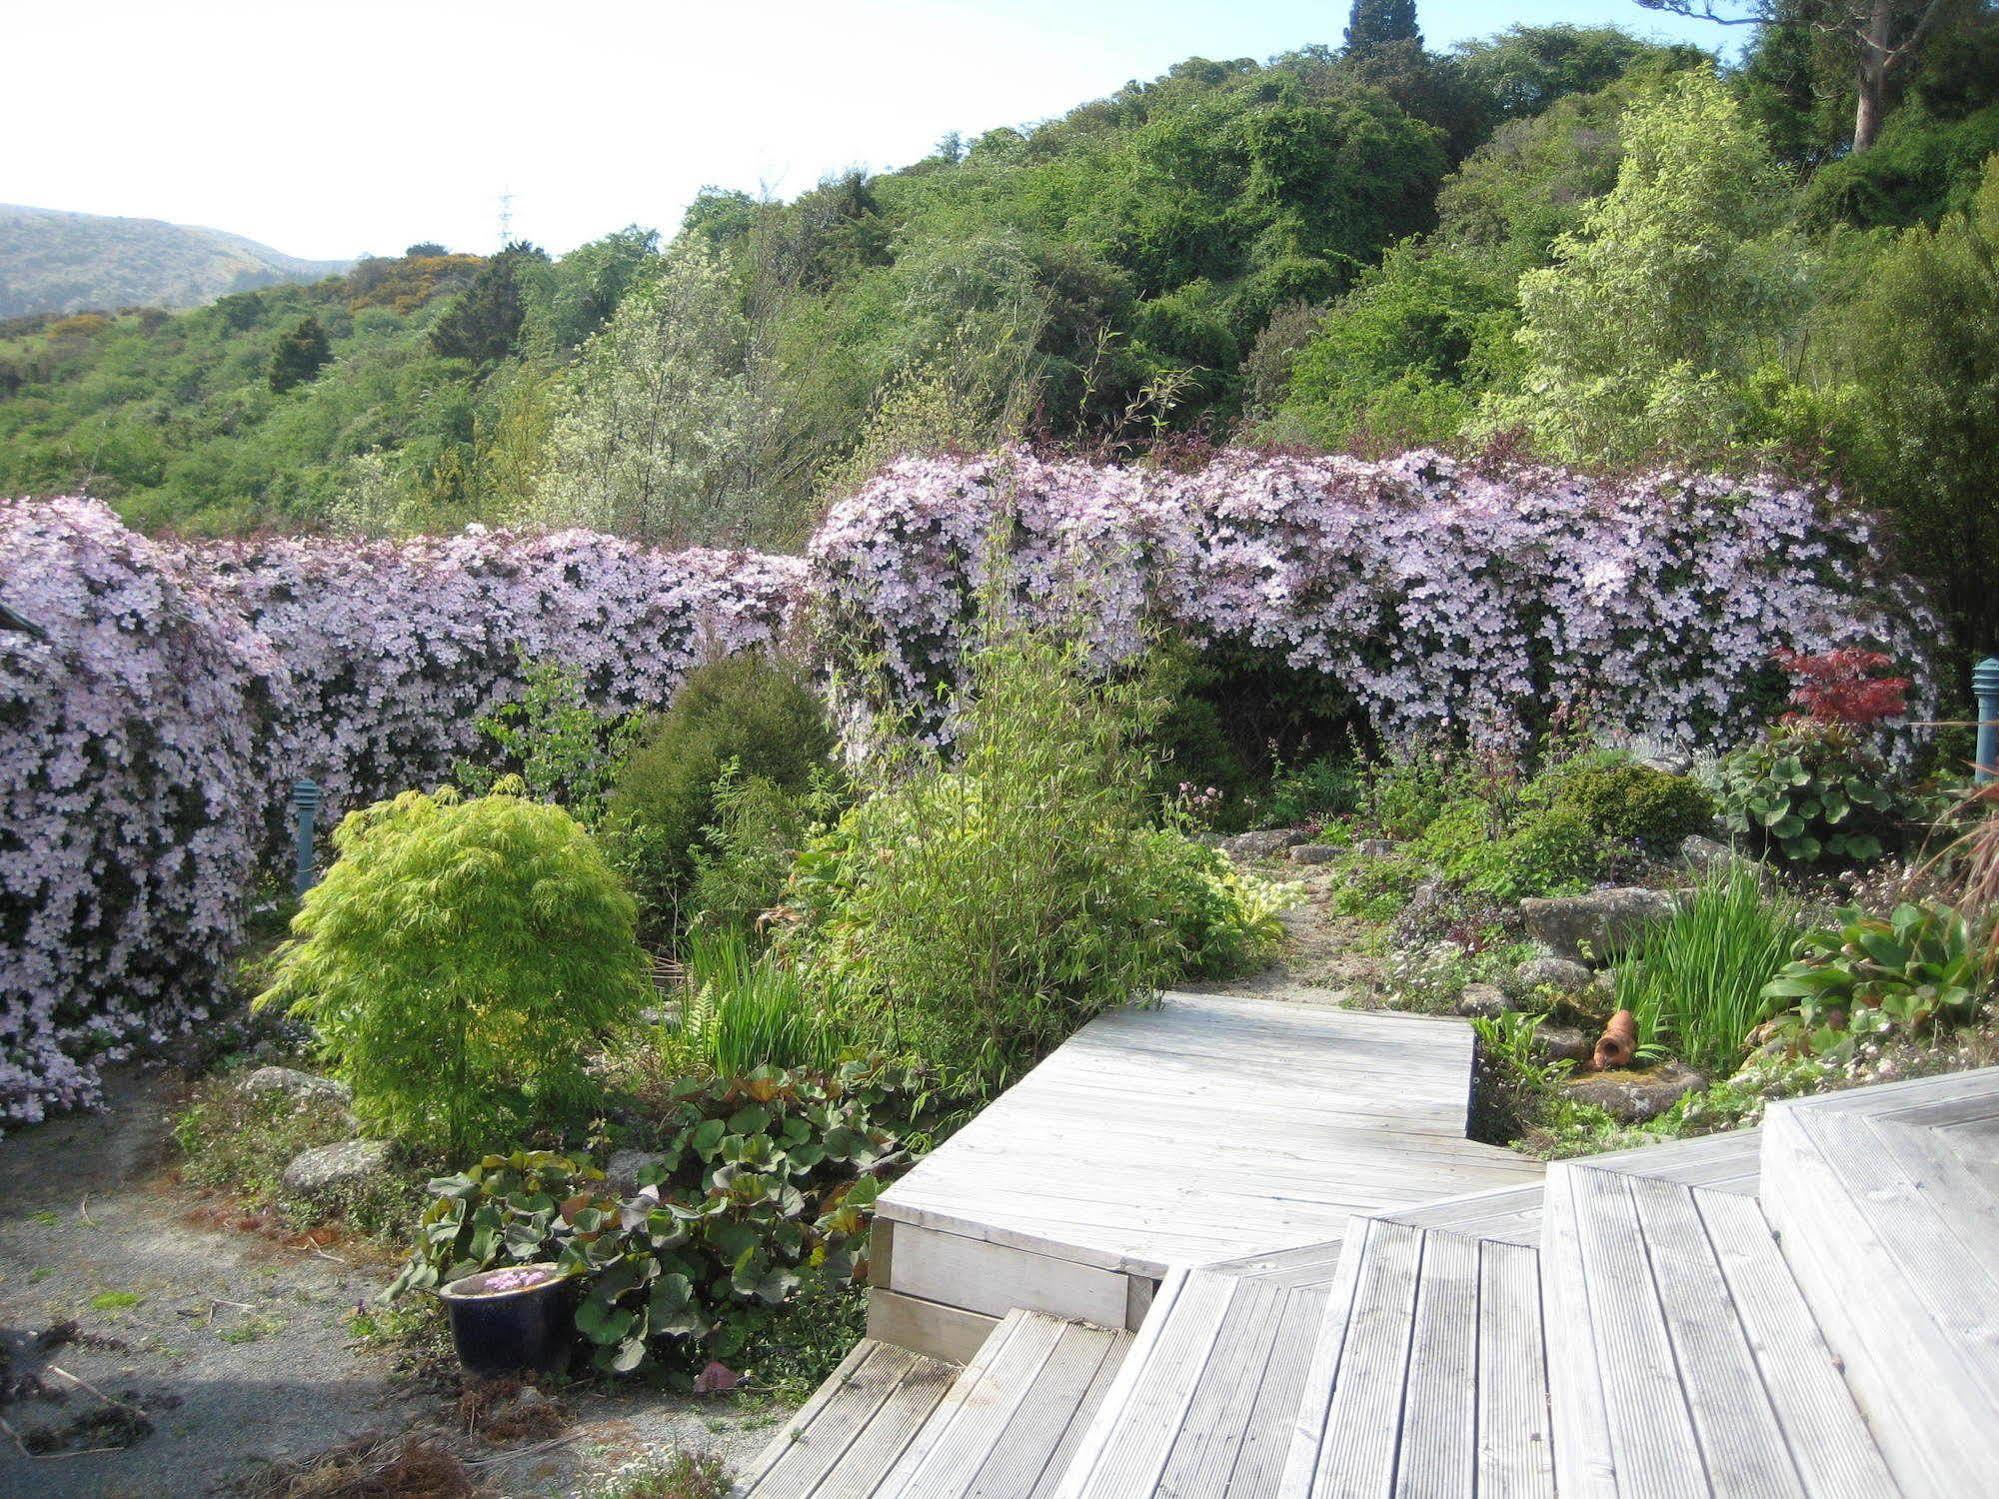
1483,1001
1561,975
1708,856
1562,1043
1667,762
330,1168
621,1172
1595,926
1313,853
1265,844
295,1084
1634,1097
1375,848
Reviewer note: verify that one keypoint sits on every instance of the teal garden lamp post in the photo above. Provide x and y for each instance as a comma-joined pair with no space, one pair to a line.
306,797
1985,688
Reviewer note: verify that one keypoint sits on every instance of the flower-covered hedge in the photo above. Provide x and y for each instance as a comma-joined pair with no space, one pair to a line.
1439,593
394,650
134,761
147,743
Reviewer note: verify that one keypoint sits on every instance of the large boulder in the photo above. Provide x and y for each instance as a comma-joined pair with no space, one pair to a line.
1632,1097
1563,1043
302,1086
331,1170
1313,853
1595,927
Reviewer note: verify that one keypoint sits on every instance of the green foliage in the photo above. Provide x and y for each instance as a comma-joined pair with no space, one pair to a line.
1920,967
299,355
1312,791
684,1475
744,1011
1624,800
456,961
1525,70
749,716
1553,850
1913,366
484,324
562,749
1407,787
1695,984
765,1182
1373,24
1401,359
744,864
1642,333
1226,921
1813,792
976,911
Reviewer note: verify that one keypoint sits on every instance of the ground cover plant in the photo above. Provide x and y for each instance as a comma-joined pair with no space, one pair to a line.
755,1185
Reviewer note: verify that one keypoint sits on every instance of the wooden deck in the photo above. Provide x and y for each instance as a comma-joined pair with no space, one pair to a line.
1205,1130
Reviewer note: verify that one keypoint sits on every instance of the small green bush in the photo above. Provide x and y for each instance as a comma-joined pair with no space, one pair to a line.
457,961
1624,800
1375,888
1695,983
563,749
1227,921
1810,791
1549,851
977,910
765,1183
1403,792
754,711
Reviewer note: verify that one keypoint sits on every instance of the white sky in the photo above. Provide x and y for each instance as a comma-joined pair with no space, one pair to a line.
330,129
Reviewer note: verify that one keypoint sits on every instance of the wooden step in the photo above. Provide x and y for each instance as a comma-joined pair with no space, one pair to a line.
1683,1356
843,1441
1428,1375
1011,1420
1884,1202
1205,1402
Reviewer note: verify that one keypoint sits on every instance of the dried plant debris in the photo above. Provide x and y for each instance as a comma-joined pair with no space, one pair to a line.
405,1467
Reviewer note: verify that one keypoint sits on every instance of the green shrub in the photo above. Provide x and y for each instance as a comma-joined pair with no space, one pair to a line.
765,1183
1626,801
1921,966
1549,851
1695,982
1227,921
1311,792
744,861
1405,790
457,960
1811,791
744,1012
755,711
977,911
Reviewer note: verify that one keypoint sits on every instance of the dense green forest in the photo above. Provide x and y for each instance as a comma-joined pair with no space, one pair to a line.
1568,240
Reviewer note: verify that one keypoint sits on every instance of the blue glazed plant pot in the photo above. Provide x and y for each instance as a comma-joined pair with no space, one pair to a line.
500,1327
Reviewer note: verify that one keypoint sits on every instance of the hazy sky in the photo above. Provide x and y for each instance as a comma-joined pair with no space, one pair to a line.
330,129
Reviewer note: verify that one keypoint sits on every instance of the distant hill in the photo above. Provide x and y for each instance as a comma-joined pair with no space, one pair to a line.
56,262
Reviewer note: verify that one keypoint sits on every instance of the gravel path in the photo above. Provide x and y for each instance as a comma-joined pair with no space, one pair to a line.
235,1346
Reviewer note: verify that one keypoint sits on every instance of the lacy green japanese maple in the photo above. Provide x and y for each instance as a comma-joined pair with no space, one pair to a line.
456,962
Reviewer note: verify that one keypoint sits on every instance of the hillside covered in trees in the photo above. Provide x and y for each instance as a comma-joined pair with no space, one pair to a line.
55,262
1565,240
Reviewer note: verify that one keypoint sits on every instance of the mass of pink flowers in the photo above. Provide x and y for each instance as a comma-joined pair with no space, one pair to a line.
148,743
1440,594
150,734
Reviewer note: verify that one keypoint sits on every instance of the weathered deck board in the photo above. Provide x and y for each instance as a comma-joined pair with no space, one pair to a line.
1208,1129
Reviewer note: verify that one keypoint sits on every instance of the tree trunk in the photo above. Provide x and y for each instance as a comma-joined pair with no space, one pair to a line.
1874,42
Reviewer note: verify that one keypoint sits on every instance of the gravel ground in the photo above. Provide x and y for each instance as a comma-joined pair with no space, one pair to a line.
234,1345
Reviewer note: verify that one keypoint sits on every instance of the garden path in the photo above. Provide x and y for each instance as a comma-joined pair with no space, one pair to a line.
235,1344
